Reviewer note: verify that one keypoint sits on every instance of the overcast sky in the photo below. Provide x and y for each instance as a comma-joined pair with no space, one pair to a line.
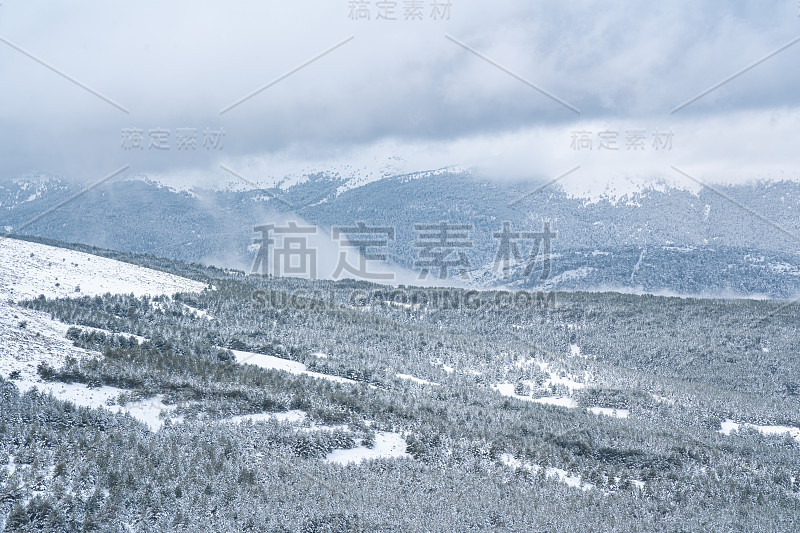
400,87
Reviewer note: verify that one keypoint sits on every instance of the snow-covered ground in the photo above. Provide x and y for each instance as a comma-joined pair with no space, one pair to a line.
201,313
30,337
419,381
271,362
446,368
387,445
571,480
554,378
164,307
662,399
561,401
569,275
555,382
90,329
507,389
729,426
30,269
152,412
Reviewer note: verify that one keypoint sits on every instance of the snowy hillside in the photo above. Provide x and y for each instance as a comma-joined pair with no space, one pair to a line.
30,338
30,269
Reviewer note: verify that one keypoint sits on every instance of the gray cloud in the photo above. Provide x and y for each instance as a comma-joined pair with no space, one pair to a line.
177,65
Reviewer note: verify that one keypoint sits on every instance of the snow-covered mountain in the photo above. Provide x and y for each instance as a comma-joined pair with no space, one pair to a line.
350,169
734,240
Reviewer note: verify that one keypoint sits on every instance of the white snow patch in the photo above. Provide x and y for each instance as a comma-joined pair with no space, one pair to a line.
556,379
271,362
420,381
147,411
201,313
560,401
387,445
42,340
662,399
151,411
507,389
30,337
12,465
578,273
90,329
413,307
728,426
440,363
574,350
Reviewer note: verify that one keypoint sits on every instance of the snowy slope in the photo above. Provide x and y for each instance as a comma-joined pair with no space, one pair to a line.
28,338
28,269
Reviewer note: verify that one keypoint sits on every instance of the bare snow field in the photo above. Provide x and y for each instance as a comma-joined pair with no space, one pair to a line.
387,445
30,269
554,382
507,389
574,481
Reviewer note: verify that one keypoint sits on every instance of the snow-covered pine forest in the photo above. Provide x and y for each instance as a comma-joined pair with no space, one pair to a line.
141,394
